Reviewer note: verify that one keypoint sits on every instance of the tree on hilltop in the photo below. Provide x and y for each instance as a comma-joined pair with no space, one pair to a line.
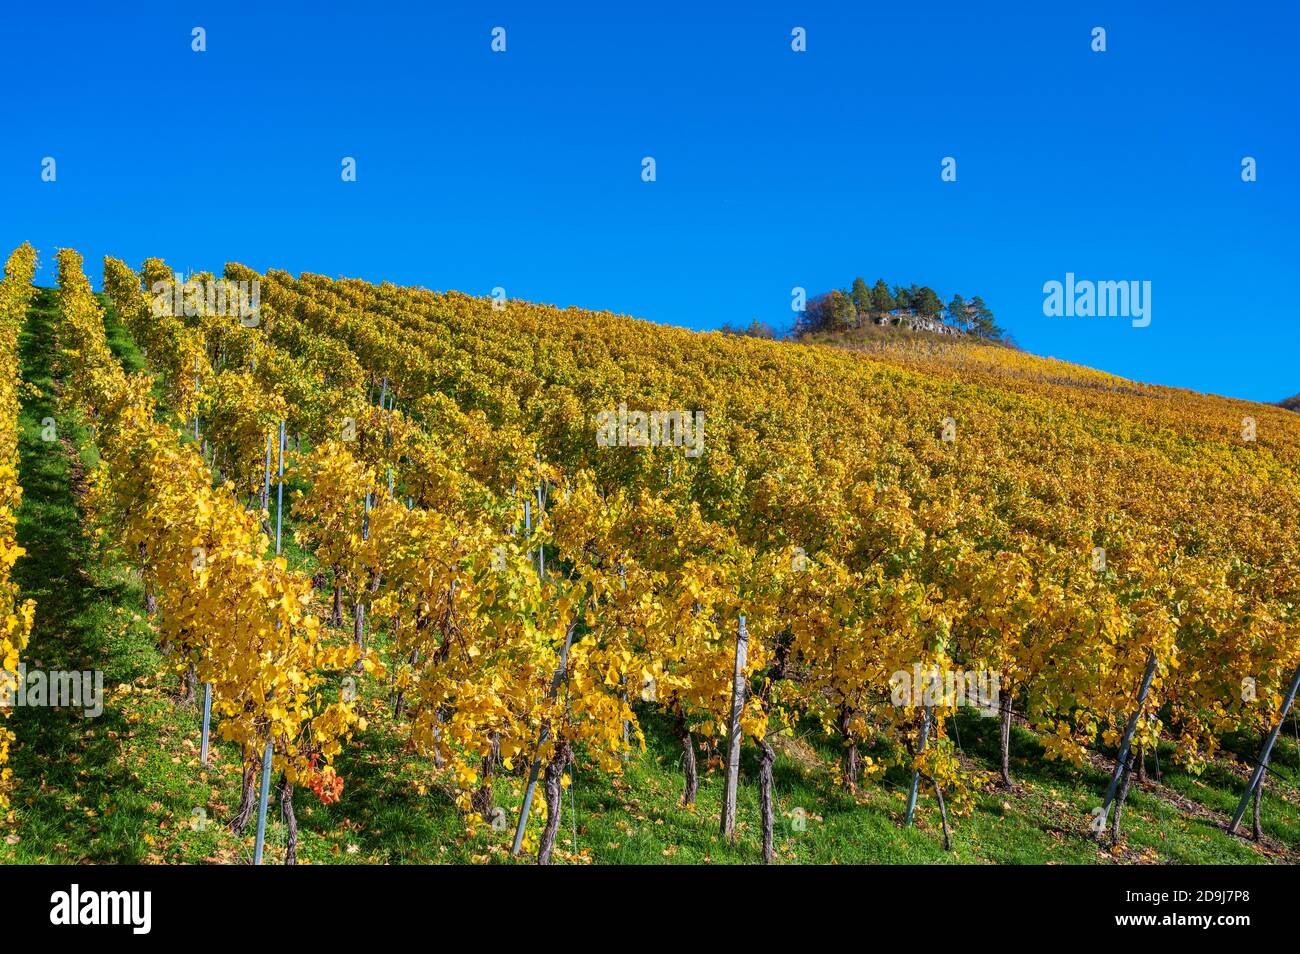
882,300
958,312
981,320
926,302
861,296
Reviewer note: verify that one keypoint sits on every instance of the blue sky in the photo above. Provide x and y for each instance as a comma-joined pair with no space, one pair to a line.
774,168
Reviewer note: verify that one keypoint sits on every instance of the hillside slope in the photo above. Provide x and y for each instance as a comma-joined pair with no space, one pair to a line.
901,500
947,464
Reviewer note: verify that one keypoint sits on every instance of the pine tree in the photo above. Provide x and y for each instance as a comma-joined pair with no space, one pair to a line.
861,296
982,322
903,298
957,312
926,302
882,300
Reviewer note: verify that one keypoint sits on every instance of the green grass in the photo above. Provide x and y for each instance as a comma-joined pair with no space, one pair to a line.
125,787
90,789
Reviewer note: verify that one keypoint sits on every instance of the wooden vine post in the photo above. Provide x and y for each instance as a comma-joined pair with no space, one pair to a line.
734,733
1123,767
1261,766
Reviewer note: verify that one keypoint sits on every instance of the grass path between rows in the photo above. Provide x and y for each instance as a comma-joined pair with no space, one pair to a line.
111,788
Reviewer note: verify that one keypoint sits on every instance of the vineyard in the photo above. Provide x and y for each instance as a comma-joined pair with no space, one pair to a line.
386,574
